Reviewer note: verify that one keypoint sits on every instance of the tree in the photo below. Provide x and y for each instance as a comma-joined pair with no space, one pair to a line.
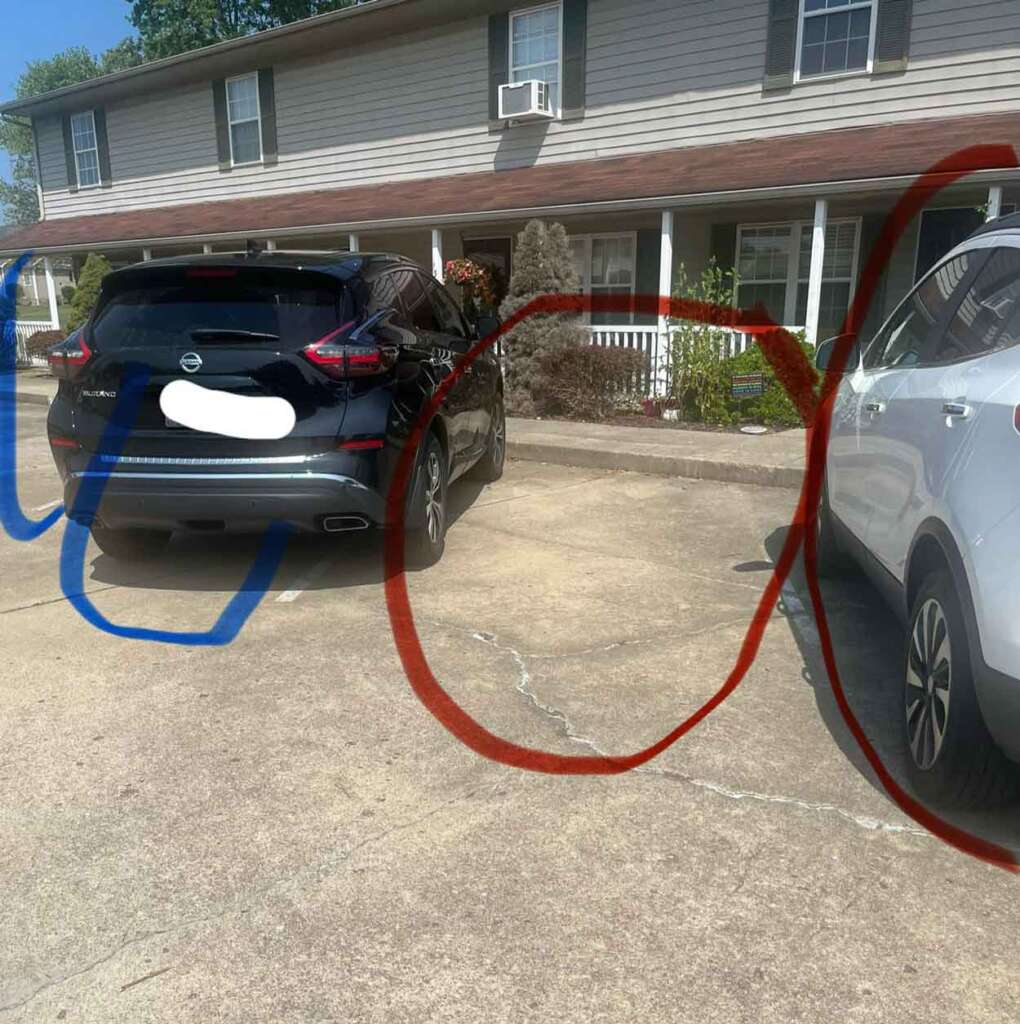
542,266
168,27
76,64
85,295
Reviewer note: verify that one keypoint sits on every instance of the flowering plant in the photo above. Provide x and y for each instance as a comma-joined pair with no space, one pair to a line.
475,280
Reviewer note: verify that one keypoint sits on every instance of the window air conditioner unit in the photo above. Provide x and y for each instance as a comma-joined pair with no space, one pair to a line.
525,101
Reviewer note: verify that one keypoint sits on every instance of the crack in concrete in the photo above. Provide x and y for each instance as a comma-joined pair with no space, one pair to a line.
242,904
570,732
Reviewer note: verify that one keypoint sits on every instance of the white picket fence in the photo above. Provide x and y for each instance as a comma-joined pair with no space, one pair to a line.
23,330
656,347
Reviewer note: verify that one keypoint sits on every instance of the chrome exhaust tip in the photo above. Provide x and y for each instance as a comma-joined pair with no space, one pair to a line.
344,524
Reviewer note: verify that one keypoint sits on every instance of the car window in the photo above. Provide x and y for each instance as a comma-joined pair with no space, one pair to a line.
416,302
383,295
988,317
450,321
164,308
902,341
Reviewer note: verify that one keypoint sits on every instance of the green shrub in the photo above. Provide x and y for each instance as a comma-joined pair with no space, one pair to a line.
774,408
589,382
699,382
87,293
67,292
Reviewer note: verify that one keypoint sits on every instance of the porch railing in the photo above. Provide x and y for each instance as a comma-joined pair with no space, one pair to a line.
656,380
23,330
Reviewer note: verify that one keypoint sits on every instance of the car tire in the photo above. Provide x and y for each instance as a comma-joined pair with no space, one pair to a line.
952,759
829,555
489,468
130,545
426,534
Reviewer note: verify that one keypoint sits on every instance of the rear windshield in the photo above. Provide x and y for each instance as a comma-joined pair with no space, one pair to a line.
294,308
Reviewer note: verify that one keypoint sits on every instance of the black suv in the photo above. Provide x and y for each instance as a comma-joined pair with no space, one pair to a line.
357,343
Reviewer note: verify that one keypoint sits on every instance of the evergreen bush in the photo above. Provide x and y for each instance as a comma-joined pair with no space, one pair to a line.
542,266
87,293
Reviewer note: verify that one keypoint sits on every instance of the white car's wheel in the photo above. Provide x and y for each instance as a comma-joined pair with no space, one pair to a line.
951,757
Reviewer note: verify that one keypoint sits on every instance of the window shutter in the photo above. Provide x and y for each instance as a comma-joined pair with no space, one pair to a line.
499,59
781,48
892,35
724,246
267,109
72,171
575,45
103,146
219,91
646,271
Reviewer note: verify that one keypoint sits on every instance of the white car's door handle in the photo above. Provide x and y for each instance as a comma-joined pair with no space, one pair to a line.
956,409
875,407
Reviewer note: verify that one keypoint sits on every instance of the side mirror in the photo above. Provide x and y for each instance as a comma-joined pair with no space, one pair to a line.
486,324
825,349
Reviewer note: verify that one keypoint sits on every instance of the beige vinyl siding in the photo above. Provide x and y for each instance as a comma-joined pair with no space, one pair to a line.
661,74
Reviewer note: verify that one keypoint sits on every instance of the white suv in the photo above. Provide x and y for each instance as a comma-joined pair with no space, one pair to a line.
922,489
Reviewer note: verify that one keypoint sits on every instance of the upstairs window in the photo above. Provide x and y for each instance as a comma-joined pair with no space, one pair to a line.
535,48
244,120
836,37
86,151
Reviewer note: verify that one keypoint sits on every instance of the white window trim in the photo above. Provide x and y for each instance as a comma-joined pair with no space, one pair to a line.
793,278
832,75
94,149
518,12
247,120
586,284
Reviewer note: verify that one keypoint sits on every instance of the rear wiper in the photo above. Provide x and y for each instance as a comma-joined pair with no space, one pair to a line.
224,334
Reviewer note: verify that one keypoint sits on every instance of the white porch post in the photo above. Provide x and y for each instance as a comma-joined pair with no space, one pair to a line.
51,293
994,202
35,283
207,248
270,245
437,254
353,242
660,363
146,255
814,295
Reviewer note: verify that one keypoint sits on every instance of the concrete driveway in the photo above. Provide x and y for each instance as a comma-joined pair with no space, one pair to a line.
279,831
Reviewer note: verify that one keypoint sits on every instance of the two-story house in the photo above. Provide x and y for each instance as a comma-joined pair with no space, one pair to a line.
774,135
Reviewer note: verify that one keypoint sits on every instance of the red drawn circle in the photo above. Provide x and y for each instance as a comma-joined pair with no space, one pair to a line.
797,377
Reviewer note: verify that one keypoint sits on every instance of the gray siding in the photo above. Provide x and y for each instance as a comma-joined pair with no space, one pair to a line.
661,74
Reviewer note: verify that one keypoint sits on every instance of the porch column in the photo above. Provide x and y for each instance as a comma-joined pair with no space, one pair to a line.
35,283
207,248
270,245
146,255
353,242
814,295
51,293
994,203
660,367
437,254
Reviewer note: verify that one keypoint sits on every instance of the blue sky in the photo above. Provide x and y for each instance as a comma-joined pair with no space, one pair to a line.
40,28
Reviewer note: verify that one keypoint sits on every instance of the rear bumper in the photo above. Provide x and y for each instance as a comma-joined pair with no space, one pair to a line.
231,498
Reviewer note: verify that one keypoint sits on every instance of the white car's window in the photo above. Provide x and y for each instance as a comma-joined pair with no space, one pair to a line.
988,317
902,341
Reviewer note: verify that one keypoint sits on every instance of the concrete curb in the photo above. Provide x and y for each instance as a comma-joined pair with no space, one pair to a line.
661,465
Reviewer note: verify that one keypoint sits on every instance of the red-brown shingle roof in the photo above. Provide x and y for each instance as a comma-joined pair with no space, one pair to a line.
860,153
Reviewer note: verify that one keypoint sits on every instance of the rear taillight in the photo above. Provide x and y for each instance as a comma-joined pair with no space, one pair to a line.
67,360
341,361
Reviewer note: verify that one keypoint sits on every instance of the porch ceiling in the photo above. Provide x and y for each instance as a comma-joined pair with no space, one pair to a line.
859,158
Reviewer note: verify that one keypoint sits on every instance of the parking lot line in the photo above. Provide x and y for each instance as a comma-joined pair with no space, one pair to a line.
302,583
